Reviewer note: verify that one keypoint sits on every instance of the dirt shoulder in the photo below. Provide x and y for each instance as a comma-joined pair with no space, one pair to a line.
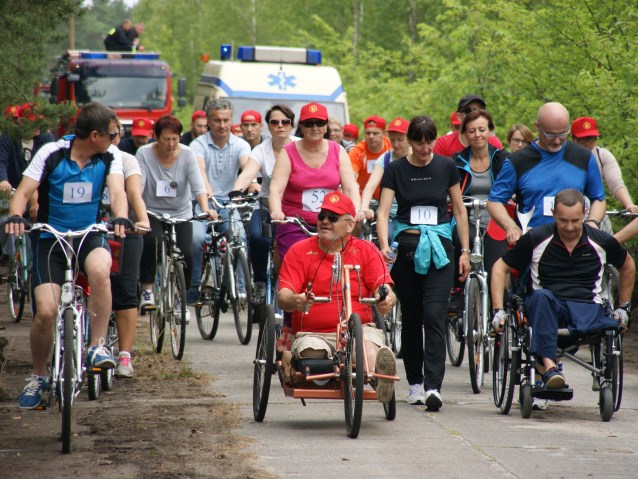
164,423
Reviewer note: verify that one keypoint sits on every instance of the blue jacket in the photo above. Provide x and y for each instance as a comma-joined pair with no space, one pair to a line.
462,160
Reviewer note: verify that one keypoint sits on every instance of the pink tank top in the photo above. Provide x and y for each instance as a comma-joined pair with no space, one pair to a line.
307,186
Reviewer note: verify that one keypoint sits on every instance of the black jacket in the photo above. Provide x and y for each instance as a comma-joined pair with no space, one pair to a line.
12,162
462,160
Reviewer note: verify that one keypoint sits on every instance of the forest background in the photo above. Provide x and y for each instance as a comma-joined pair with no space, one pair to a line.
396,57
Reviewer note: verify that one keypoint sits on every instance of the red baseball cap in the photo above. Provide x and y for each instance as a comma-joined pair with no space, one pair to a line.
374,122
251,116
12,111
400,125
339,203
198,114
141,127
313,110
585,126
351,130
454,120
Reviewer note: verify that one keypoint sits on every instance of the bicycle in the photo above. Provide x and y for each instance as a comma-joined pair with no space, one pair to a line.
19,279
226,278
67,368
169,289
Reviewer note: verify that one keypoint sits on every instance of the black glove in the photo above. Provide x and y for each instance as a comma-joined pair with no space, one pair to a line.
17,220
234,194
120,221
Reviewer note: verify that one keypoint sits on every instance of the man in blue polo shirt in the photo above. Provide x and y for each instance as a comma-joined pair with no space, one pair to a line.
539,171
70,176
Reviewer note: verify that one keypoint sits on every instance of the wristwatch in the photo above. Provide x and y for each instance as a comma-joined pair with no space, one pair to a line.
626,306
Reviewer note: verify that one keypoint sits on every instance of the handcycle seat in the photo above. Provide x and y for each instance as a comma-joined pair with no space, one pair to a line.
554,394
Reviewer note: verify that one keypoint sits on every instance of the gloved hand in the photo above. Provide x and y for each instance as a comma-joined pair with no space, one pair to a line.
234,194
499,318
622,317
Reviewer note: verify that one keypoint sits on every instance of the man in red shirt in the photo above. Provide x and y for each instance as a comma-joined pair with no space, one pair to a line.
310,262
451,143
367,151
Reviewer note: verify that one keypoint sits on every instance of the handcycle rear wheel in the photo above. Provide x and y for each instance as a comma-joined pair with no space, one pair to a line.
243,311
208,313
68,379
177,313
17,290
157,320
353,383
475,344
264,364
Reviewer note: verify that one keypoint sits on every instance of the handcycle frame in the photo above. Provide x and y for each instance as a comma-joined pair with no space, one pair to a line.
347,379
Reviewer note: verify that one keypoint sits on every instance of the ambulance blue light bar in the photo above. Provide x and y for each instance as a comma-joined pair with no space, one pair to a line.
279,55
119,56
226,52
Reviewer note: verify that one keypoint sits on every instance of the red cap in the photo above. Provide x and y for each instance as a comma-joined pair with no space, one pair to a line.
313,110
584,126
251,116
339,203
12,111
141,127
198,114
454,120
351,130
400,125
374,122
236,129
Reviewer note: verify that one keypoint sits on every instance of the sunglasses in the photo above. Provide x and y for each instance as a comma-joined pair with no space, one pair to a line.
332,217
312,123
467,110
112,136
284,122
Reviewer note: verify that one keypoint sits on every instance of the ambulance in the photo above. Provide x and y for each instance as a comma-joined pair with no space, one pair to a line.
263,76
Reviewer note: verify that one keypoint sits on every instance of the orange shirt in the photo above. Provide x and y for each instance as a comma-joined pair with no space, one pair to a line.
363,160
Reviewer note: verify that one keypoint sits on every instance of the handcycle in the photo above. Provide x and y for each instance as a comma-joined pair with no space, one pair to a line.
67,367
226,278
169,289
342,377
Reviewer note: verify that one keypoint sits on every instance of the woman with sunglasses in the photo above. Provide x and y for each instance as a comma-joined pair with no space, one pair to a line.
304,172
280,120
423,271
170,176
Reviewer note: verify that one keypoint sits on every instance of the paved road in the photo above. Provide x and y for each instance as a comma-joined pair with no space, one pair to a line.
467,438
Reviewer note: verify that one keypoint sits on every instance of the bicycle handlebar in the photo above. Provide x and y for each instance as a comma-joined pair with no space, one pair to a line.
168,219
45,227
620,213
242,202
293,220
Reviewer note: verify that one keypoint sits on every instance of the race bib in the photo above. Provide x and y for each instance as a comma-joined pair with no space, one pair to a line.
370,165
424,215
166,189
311,199
548,204
80,192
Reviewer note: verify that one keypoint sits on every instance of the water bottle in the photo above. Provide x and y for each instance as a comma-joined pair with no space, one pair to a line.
394,247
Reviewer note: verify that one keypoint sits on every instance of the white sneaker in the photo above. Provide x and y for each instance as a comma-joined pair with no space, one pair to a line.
416,394
187,316
433,401
148,299
124,367
540,404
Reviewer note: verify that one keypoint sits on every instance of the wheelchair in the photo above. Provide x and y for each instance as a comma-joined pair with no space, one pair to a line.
514,365
346,376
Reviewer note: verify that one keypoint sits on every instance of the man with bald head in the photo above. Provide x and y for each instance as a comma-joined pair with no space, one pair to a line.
543,168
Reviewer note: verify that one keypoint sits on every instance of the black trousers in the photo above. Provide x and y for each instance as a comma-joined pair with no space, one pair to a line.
424,301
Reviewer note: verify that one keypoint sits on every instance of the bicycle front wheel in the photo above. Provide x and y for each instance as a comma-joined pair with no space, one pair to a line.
68,379
157,320
264,364
17,290
242,297
475,345
207,313
177,314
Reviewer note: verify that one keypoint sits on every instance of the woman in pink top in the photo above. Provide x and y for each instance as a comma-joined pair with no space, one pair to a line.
304,172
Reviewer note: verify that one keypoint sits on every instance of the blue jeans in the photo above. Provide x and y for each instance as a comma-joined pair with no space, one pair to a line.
258,245
199,232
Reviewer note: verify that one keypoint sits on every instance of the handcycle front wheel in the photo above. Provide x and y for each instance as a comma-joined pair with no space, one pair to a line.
68,378
242,305
353,381
264,364
177,311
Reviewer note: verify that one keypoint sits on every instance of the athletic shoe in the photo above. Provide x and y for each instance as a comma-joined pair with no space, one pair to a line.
124,367
386,364
100,357
553,379
433,401
31,395
416,394
192,297
148,299
540,404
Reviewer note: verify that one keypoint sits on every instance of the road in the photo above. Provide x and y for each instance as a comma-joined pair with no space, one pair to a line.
467,438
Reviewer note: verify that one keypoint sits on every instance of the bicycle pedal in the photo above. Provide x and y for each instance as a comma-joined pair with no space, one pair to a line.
94,370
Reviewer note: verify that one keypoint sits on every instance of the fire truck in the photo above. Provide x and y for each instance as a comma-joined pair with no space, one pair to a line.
134,85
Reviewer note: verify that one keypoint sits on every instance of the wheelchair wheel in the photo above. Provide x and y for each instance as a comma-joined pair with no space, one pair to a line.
455,340
391,408
475,344
606,403
504,371
264,364
353,383
526,400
